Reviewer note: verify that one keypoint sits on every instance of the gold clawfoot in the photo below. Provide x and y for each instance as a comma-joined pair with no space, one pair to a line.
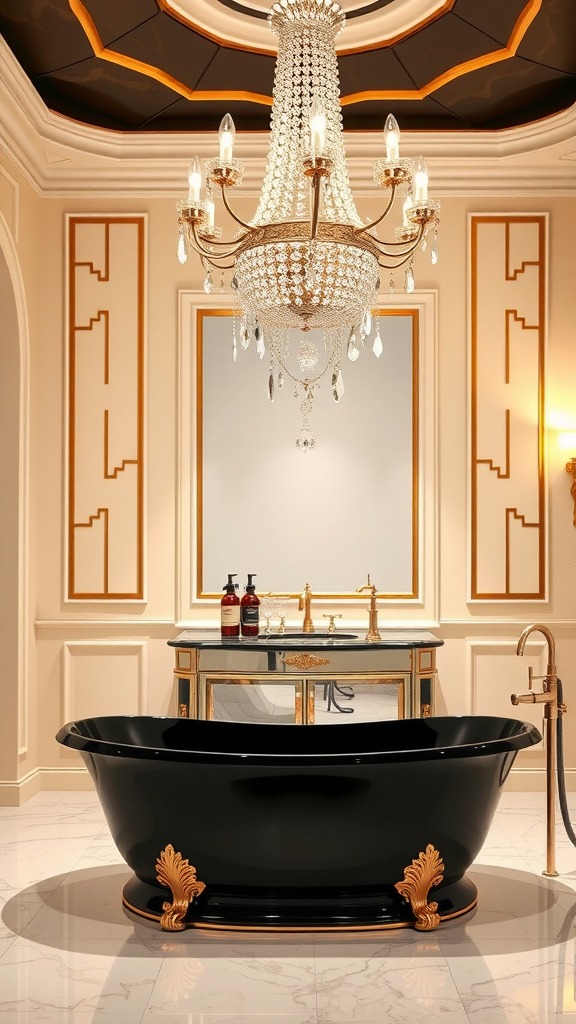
180,877
419,877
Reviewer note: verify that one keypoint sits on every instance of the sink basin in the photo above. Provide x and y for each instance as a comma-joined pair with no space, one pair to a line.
309,636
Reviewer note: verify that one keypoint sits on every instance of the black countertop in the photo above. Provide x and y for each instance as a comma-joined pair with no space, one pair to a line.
391,640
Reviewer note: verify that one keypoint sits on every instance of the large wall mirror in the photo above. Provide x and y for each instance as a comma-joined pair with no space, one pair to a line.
254,503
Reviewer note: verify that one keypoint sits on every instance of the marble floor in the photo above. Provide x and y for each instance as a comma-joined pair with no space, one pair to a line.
69,954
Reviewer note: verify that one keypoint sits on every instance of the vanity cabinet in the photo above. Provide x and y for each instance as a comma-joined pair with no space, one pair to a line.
283,680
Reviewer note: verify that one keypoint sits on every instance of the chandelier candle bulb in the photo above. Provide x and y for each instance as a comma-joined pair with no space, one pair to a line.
226,137
420,182
405,207
194,181
210,207
392,138
317,128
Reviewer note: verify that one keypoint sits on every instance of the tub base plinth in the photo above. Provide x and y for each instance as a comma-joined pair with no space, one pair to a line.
288,910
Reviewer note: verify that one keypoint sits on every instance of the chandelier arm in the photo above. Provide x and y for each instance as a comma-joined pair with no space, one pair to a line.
242,223
360,231
316,188
236,243
383,246
211,255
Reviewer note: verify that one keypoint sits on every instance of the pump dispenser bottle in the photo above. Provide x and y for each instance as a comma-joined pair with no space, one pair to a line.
230,609
250,609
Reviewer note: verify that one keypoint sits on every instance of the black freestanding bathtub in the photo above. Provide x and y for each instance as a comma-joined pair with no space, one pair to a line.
291,828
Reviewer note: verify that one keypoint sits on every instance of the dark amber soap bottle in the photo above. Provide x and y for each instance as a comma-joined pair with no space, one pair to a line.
250,609
230,609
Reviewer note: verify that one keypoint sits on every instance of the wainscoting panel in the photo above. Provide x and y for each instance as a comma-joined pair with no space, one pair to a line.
508,495
496,672
105,415
105,677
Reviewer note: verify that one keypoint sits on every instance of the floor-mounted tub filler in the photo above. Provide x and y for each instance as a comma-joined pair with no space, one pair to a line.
237,826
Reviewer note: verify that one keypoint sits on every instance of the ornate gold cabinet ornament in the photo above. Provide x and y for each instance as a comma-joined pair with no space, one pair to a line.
419,877
180,877
306,661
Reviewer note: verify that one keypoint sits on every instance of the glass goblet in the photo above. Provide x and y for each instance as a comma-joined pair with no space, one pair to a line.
267,608
282,609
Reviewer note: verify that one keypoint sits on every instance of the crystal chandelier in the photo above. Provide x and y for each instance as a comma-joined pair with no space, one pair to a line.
306,260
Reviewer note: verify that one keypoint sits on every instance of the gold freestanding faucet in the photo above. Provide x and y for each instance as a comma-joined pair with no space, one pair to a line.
373,636
548,697
304,604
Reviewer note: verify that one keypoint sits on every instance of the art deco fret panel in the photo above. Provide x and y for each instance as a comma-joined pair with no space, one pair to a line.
508,292
105,407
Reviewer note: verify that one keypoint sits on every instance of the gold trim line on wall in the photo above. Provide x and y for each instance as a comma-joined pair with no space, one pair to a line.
513,421
522,25
101,424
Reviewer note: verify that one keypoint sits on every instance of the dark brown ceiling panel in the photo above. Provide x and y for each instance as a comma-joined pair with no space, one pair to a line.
43,36
496,18
167,44
205,116
439,46
114,18
499,98
253,72
376,69
54,46
118,97
426,114
551,39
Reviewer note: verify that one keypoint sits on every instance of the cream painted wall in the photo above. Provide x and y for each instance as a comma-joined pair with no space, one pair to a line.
478,662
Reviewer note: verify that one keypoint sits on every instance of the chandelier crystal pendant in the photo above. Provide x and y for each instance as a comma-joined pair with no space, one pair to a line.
306,260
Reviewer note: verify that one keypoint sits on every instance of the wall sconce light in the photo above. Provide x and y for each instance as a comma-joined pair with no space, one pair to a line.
567,442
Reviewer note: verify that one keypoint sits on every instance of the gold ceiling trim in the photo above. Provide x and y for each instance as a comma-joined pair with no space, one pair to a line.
523,22
522,25
87,23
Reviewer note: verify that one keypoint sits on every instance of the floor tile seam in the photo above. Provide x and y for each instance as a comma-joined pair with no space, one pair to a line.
460,996
161,962
9,946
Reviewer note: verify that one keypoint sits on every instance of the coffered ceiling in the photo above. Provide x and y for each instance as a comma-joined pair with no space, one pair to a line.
166,66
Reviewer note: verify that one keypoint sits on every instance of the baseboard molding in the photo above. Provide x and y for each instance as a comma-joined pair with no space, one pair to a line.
533,780
14,793
17,792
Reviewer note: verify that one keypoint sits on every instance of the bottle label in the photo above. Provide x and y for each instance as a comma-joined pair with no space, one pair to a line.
250,616
230,615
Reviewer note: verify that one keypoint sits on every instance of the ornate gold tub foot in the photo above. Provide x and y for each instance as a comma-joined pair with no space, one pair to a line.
419,877
180,877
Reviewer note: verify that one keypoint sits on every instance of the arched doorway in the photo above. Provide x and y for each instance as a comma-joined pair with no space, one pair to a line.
13,517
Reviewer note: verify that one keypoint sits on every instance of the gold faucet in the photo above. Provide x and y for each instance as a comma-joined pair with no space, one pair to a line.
373,636
304,604
548,697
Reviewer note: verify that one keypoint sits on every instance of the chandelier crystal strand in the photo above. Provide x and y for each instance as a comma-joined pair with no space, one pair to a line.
306,259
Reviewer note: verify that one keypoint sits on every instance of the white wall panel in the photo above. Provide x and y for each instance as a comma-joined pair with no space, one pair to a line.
105,677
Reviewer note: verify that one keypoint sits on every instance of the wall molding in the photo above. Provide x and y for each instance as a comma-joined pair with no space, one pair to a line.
61,157
14,227
75,648
421,611
7,244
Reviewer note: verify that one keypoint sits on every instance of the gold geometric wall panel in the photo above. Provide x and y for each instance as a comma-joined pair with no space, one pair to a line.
106,265
508,507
